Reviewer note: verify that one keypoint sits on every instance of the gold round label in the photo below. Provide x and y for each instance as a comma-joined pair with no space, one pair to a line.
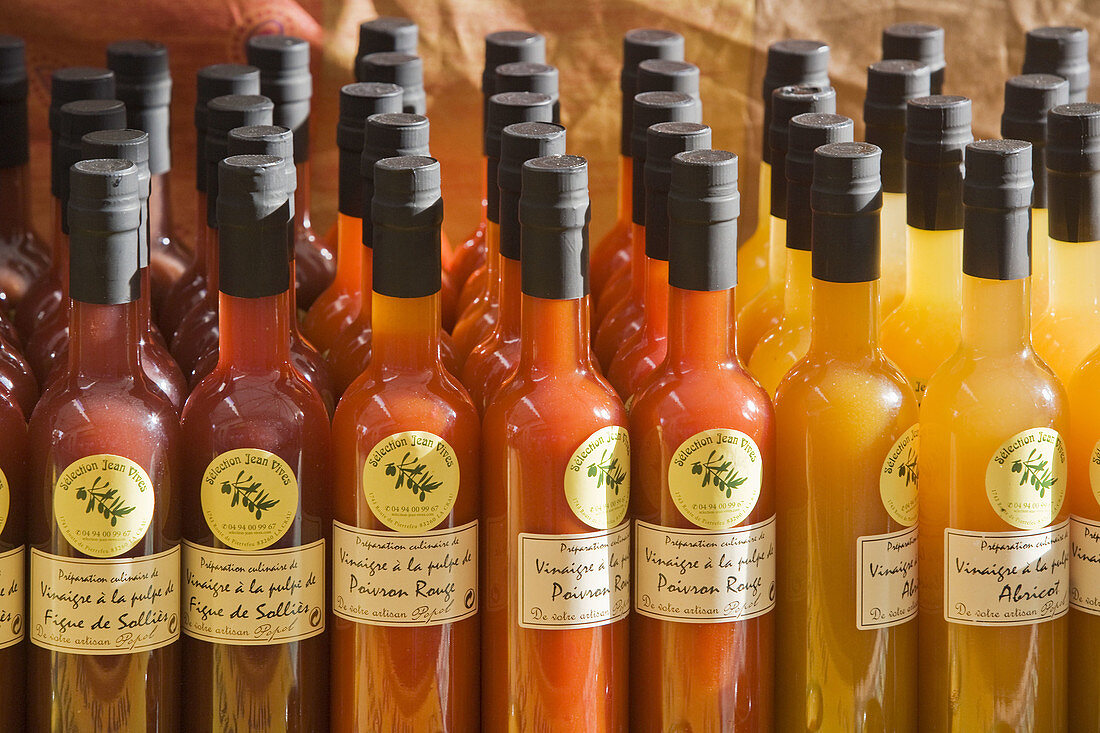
714,478
103,504
5,500
249,498
597,478
411,480
1026,478
897,483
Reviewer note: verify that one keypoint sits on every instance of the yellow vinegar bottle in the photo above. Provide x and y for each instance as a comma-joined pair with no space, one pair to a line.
924,329
1070,328
846,491
994,535
787,341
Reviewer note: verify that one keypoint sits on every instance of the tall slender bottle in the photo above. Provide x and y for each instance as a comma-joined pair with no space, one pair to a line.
1062,51
405,632
24,258
212,81
920,42
644,349
556,458
760,259
103,521
255,486
13,555
890,86
846,492
785,344
494,358
923,331
762,313
705,661
994,537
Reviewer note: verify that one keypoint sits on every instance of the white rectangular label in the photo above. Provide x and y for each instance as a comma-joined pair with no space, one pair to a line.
886,579
12,597
704,576
1084,565
574,581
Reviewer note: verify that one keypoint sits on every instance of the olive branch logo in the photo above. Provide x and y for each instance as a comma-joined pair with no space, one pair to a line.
103,500
413,474
1034,470
607,472
908,468
718,471
244,491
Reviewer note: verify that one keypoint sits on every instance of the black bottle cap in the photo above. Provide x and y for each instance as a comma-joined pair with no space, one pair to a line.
402,69
890,85
283,62
387,33
668,75
640,45
13,103
997,198
144,85
788,102
806,134
407,210
77,82
253,223
276,141
222,115
1073,172
506,47
526,76
77,119
1062,51
131,145
791,62
213,81
105,213
520,143
509,108
921,42
1028,98
649,109
395,135
846,198
663,141
703,209
937,130
553,216
358,102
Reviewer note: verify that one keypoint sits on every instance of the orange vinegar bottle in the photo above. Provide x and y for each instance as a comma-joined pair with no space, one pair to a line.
405,632
993,529
556,470
13,554
846,492
702,434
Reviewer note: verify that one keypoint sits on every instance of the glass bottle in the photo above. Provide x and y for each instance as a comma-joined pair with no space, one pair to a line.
13,552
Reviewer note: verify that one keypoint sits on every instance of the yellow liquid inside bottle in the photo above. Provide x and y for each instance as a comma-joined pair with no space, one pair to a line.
891,287
924,330
1069,330
752,257
761,314
984,678
786,343
838,415
1040,256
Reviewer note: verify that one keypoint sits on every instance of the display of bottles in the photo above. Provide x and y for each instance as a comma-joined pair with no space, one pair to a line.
920,42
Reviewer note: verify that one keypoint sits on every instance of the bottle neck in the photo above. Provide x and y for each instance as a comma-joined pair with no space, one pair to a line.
763,196
366,283
1072,269
637,263
212,275
554,336
996,316
934,266
511,299
349,244
103,340
253,333
405,334
160,209
777,250
145,305
15,202
700,328
796,291
655,323
492,261
844,318
626,188
60,250
484,189
200,233
303,197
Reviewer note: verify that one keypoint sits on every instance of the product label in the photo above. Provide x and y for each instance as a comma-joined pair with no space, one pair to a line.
120,606
5,500
12,597
715,476
1094,473
394,579
886,580
250,598
574,581
103,504
249,498
702,576
1026,478
411,480
1006,578
897,483
1084,565
597,478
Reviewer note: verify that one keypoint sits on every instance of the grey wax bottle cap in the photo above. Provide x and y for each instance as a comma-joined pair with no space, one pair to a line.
77,82
520,143
997,198
358,102
651,108
703,206
283,62
403,69
13,103
668,75
890,85
791,62
273,140
407,210
13,68
395,135
846,197
921,42
640,45
554,213
254,218
1073,172
787,102
387,33
508,108
104,211
131,145
212,81
222,115
1062,51
937,131
1028,99
808,132
663,141
144,85
77,119
506,47
527,76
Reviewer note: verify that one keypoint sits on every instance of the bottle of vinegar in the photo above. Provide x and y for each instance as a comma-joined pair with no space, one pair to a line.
13,557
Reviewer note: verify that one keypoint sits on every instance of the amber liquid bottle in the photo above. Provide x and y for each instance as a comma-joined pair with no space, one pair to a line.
699,428
255,486
557,486
103,516
405,537
13,614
